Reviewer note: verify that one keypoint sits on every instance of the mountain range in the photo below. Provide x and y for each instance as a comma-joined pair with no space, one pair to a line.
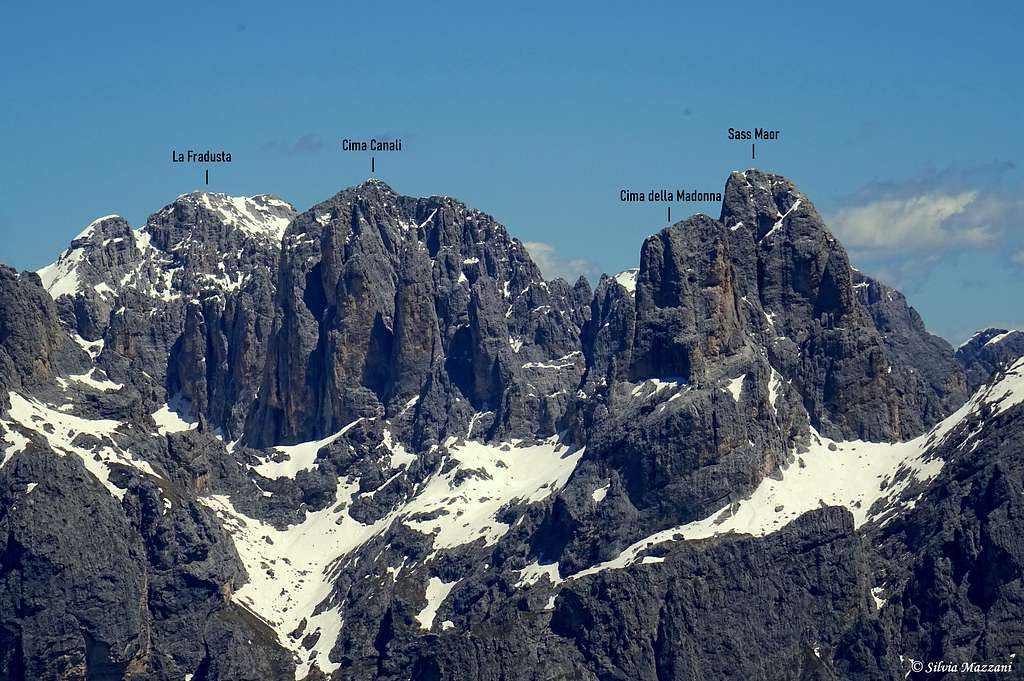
370,440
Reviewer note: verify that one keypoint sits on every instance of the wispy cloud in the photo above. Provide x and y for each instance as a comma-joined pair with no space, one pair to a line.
932,221
900,230
310,143
939,211
552,265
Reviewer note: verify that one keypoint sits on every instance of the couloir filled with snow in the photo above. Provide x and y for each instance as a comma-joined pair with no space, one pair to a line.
867,478
62,430
292,571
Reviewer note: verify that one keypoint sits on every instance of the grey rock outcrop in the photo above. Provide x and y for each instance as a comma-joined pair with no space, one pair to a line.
369,441
33,346
182,305
953,566
923,365
825,341
96,589
988,351
387,303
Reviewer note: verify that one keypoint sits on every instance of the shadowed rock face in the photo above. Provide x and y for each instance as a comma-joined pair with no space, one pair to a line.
924,371
957,560
826,340
682,614
97,589
181,308
55,622
33,348
384,299
988,351
494,476
765,297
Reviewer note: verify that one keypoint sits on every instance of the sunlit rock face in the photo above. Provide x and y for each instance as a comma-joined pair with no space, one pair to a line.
369,440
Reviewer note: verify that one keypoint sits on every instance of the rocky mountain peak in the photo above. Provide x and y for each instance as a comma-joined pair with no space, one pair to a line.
374,185
759,200
101,229
369,440
987,352
440,224
991,336
106,235
769,279
408,299
205,215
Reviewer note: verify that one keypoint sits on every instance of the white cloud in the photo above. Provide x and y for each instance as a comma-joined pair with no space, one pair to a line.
1018,258
933,221
553,266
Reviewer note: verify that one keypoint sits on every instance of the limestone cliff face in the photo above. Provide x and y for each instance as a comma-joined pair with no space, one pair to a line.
768,275
924,371
764,300
987,352
415,308
33,347
370,441
819,334
180,309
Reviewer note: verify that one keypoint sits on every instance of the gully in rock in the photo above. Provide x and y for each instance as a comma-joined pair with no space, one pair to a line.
246,441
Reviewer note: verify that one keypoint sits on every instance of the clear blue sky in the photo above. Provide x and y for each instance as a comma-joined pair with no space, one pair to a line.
538,114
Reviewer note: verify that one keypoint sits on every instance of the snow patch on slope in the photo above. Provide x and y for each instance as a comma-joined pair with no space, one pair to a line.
855,475
485,479
292,571
651,387
399,456
101,384
61,277
867,478
1007,391
16,442
93,348
62,432
289,570
174,417
774,385
735,387
264,217
535,571
627,279
999,338
782,217
563,362
437,590
290,459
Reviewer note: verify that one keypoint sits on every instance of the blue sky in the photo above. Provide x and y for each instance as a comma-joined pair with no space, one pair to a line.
539,113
